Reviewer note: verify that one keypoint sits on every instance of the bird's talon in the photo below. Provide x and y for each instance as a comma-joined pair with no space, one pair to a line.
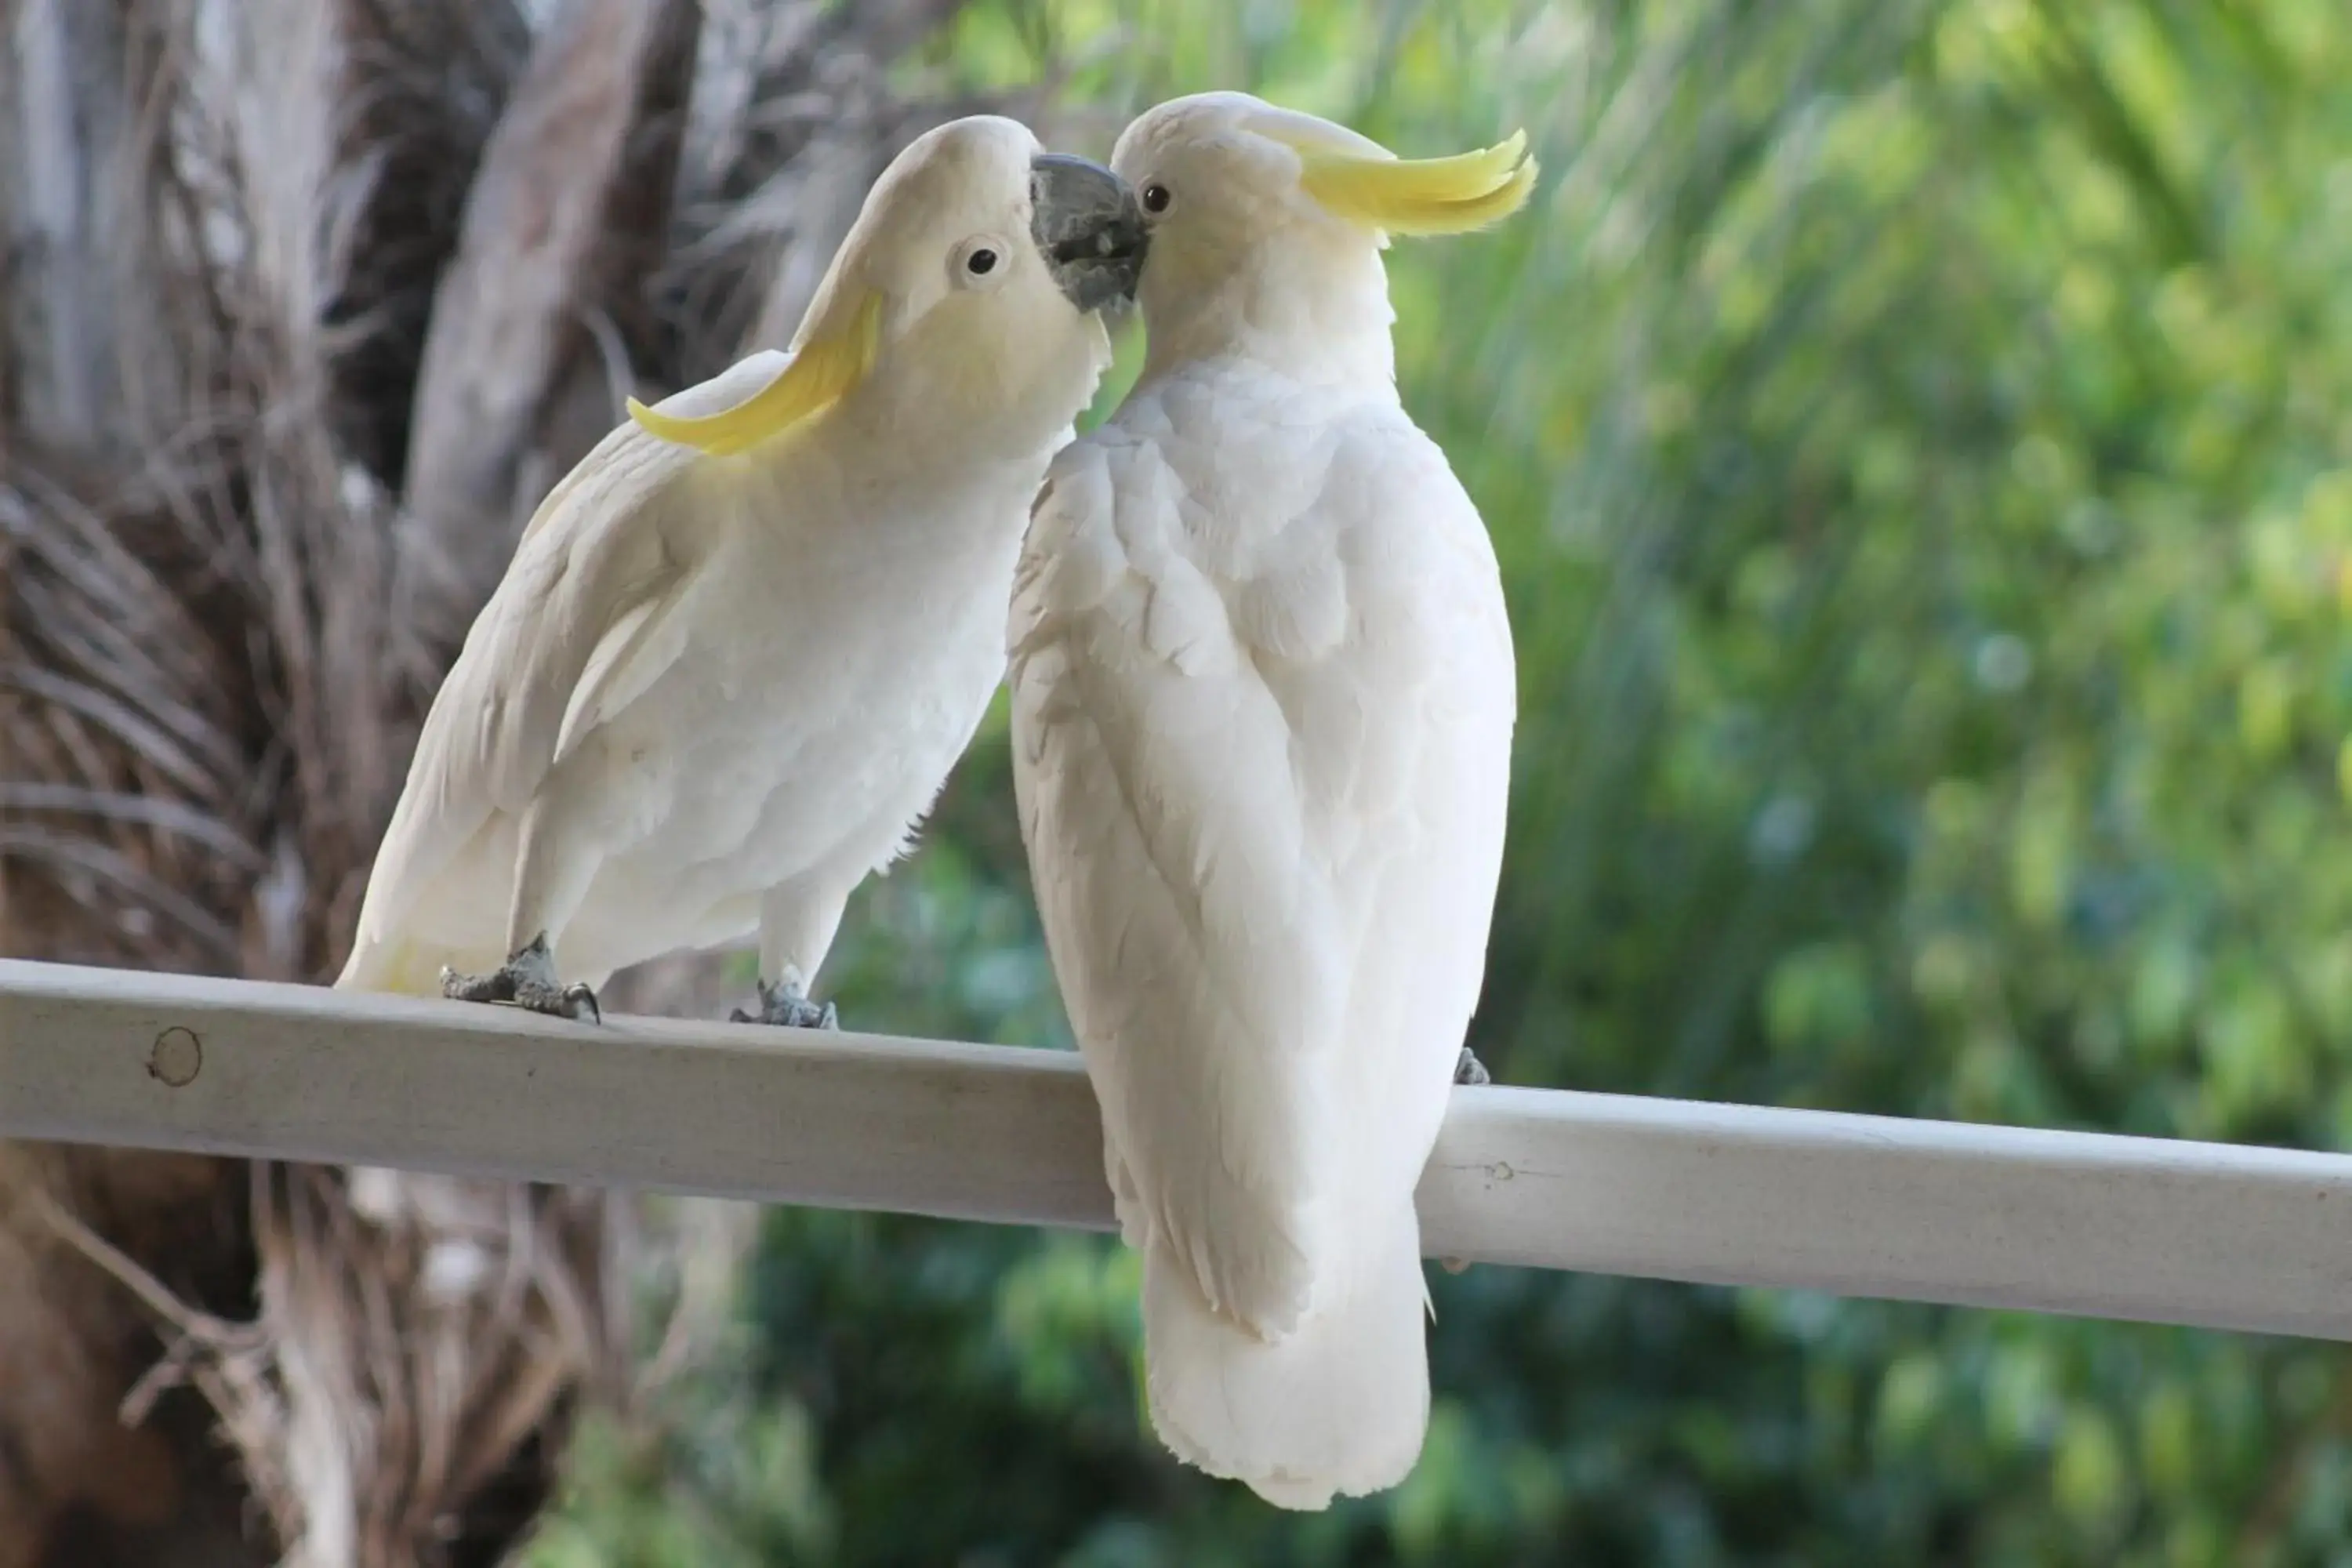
527,980
1469,1069
498,985
786,1006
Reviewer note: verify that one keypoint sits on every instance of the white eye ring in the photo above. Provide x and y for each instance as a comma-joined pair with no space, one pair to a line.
983,261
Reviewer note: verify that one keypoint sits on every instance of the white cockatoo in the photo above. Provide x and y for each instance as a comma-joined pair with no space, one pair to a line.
740,646
1263,702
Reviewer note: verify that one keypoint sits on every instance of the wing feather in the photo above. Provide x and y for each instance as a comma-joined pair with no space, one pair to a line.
1234,789
582,623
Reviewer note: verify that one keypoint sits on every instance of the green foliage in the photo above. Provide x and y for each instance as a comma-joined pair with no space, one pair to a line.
1919,439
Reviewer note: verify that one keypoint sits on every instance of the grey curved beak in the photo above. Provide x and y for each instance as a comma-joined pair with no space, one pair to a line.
1089,228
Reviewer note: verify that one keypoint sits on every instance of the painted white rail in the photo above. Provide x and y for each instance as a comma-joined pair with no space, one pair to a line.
2143,1228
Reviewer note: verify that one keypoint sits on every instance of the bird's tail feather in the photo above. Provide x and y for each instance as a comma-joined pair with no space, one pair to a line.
392,968
1340,1406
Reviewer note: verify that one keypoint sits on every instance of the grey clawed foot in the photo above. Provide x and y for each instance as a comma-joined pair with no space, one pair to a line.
527,980
1469,1069
786,1005
573,1001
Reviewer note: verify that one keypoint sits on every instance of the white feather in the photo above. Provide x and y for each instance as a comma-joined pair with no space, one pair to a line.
713,693
1263,700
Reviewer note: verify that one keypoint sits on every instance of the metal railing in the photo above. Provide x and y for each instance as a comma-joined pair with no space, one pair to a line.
2154,1229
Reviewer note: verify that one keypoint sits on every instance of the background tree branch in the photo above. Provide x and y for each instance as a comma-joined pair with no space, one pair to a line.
306,305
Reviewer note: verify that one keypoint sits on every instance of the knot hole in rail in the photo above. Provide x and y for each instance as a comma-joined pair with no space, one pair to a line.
176,1057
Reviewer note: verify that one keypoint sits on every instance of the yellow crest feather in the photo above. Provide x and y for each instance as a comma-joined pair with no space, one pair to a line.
1420,196
825,368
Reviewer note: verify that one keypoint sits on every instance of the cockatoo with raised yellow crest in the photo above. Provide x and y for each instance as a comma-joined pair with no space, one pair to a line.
740,646
1263,702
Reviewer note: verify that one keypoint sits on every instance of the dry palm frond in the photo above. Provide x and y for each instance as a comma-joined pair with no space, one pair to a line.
306,304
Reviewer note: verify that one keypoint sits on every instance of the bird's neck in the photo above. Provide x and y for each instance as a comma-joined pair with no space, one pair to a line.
941,487
1321,319
951,408
900,449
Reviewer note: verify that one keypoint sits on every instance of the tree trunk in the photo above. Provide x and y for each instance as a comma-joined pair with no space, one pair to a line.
307,302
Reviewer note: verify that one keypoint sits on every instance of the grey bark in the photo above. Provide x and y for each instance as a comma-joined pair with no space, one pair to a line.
304,305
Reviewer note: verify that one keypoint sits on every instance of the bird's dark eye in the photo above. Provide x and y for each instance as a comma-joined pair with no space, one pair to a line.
980,263
1156,199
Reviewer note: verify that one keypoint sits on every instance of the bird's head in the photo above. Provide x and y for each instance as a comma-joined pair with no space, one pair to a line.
1254,209
970,284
